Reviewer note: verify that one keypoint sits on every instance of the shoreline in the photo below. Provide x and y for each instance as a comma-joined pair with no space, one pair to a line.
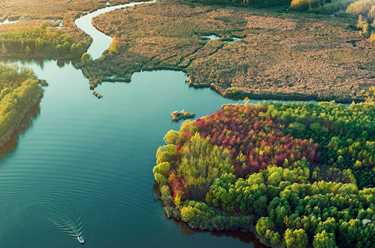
40,56
95,80
5,137
276,96
278,80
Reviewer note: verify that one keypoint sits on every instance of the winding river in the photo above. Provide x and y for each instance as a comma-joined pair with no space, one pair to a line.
83,166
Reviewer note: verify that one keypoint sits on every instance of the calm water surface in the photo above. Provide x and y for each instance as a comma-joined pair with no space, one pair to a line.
84,166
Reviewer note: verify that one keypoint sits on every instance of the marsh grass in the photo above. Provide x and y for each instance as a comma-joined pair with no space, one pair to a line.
294,55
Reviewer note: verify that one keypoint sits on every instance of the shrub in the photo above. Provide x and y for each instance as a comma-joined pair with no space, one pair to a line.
360,7
304,4
371,13
86,57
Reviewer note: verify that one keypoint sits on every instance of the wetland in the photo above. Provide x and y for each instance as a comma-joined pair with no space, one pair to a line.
82,166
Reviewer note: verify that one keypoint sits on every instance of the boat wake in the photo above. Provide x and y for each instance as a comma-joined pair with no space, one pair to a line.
60,214
71,225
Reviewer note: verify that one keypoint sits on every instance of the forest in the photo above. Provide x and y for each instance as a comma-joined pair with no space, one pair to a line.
38,40
297,174
20,91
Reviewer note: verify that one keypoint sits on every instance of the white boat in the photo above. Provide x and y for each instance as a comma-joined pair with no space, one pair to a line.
80,239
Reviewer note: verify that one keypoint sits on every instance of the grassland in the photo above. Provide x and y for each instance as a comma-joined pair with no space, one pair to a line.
285,54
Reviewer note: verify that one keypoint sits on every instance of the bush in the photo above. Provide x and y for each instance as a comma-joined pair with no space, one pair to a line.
86,58
304,4
360,7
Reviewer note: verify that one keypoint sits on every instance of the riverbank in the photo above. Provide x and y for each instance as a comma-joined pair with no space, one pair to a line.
284,55
20,91
58,14
68,57
7,135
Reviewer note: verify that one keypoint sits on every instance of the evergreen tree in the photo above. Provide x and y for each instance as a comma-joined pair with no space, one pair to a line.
27,50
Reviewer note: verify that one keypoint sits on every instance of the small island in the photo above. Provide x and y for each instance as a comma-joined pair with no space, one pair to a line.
97,94
182,115
20,91
297,174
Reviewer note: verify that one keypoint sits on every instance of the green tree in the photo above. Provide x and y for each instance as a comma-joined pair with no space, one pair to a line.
171,137
39,46
74,49
60,49
188,213
27,50
274,178
162,168
165,153
3,49
67,46
86,57
324,240
44,25
79,47
264,224
295,238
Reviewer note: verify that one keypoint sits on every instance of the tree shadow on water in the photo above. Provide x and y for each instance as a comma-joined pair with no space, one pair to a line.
243,237
25,123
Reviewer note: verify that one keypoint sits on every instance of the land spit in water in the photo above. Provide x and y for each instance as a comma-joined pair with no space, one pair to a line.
294,56
20,91
182,115
6,136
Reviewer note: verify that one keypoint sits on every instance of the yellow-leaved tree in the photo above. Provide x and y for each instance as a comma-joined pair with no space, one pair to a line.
113,48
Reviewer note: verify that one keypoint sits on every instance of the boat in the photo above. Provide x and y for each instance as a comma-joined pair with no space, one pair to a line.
80,239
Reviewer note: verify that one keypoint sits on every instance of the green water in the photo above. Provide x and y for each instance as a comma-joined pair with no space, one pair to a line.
83,166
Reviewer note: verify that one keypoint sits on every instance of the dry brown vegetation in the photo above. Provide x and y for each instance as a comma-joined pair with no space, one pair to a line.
284,56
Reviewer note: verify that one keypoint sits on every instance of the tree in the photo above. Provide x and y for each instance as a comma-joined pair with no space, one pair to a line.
27,49
67,46
3,49
74,49
295,238
113,48
39,45
86,57
171,137
188,213
264,224
79,47
162,168
324,240
44,25
274,178
60,49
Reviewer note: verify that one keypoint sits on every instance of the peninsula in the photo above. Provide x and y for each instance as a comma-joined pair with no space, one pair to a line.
20,91
297,174
281,54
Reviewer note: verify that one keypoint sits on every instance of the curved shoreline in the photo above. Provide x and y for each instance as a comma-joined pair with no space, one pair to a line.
135,46
276,96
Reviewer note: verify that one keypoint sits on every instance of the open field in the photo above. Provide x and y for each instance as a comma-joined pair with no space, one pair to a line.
289,55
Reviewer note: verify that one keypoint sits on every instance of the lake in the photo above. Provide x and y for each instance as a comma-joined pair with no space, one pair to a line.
83,166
